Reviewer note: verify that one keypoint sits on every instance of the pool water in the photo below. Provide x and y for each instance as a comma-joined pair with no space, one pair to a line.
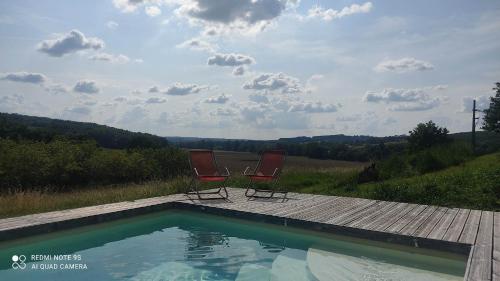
181,245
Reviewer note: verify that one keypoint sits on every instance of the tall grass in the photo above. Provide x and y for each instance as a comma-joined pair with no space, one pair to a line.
38,201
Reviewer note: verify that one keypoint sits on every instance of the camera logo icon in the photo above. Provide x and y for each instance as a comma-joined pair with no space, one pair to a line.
18,262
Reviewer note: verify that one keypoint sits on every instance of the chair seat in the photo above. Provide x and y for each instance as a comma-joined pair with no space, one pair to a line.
261,178
211,178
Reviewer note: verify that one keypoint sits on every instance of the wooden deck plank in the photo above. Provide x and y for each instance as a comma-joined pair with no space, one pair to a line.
411,227
496,247
352,212
425,228
392,217
364,220
403,221
481,260
456,227
469,232
442,226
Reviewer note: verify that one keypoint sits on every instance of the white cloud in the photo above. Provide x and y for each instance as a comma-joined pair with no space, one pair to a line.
79,110
71,42
416,99
416,106
24,77
275,82
239,71
258,98
482,102
152,11
154,89
87,87
120,59
180,89
224,112
230,60
316,107
396,95
197,44
112,25
220,99
403,65
351,118
331,14
242,15
57,89
156,100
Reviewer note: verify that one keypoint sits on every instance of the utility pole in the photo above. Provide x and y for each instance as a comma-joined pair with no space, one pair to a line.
473,136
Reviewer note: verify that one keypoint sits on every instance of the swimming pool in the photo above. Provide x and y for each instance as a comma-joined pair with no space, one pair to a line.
184,245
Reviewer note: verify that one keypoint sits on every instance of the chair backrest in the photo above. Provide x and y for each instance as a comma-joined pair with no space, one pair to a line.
204,162
271,160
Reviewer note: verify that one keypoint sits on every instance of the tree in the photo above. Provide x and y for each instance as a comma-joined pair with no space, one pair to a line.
426,135
491,121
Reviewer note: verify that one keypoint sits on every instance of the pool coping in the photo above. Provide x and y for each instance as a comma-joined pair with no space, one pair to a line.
14,228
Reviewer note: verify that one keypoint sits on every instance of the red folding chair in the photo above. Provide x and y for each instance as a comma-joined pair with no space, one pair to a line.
204,168
268,170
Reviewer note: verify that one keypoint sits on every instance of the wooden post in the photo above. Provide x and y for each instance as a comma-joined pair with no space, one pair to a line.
473,136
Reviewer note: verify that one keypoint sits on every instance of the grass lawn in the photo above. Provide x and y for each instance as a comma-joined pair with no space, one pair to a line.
474,184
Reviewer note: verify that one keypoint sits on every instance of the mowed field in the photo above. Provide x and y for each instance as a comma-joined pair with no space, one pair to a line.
236,162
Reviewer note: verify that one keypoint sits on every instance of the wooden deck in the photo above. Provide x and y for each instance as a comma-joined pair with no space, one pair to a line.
427,226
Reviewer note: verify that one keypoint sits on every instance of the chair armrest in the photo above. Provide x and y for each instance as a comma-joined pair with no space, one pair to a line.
275,171
196,172
227,172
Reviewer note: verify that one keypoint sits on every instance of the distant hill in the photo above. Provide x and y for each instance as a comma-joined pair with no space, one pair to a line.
341,138
17,126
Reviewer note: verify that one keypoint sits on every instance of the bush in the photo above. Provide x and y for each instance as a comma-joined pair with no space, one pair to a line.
426,135
424,161
62,162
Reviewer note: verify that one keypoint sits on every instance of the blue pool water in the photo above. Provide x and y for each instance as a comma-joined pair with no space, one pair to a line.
180,245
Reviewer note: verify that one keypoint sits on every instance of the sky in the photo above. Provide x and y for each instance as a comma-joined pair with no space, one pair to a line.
255,69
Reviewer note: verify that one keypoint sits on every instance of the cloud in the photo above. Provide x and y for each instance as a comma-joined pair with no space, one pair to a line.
258,98
87,87
71,42
154,89
331,14
417,106
416,99
230,60
79,110
156,100
316,107
241,15
57,89
24,77
224,112
128,6
111,24
482,102
395,95
180,89
152,11
120,59
220,99
197,44
351,118
403,65
275,82
239,71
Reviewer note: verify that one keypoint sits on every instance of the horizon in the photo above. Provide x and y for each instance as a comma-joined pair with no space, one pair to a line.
267,69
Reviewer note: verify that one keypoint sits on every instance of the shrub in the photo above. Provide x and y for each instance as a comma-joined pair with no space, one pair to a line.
62,162
426,135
